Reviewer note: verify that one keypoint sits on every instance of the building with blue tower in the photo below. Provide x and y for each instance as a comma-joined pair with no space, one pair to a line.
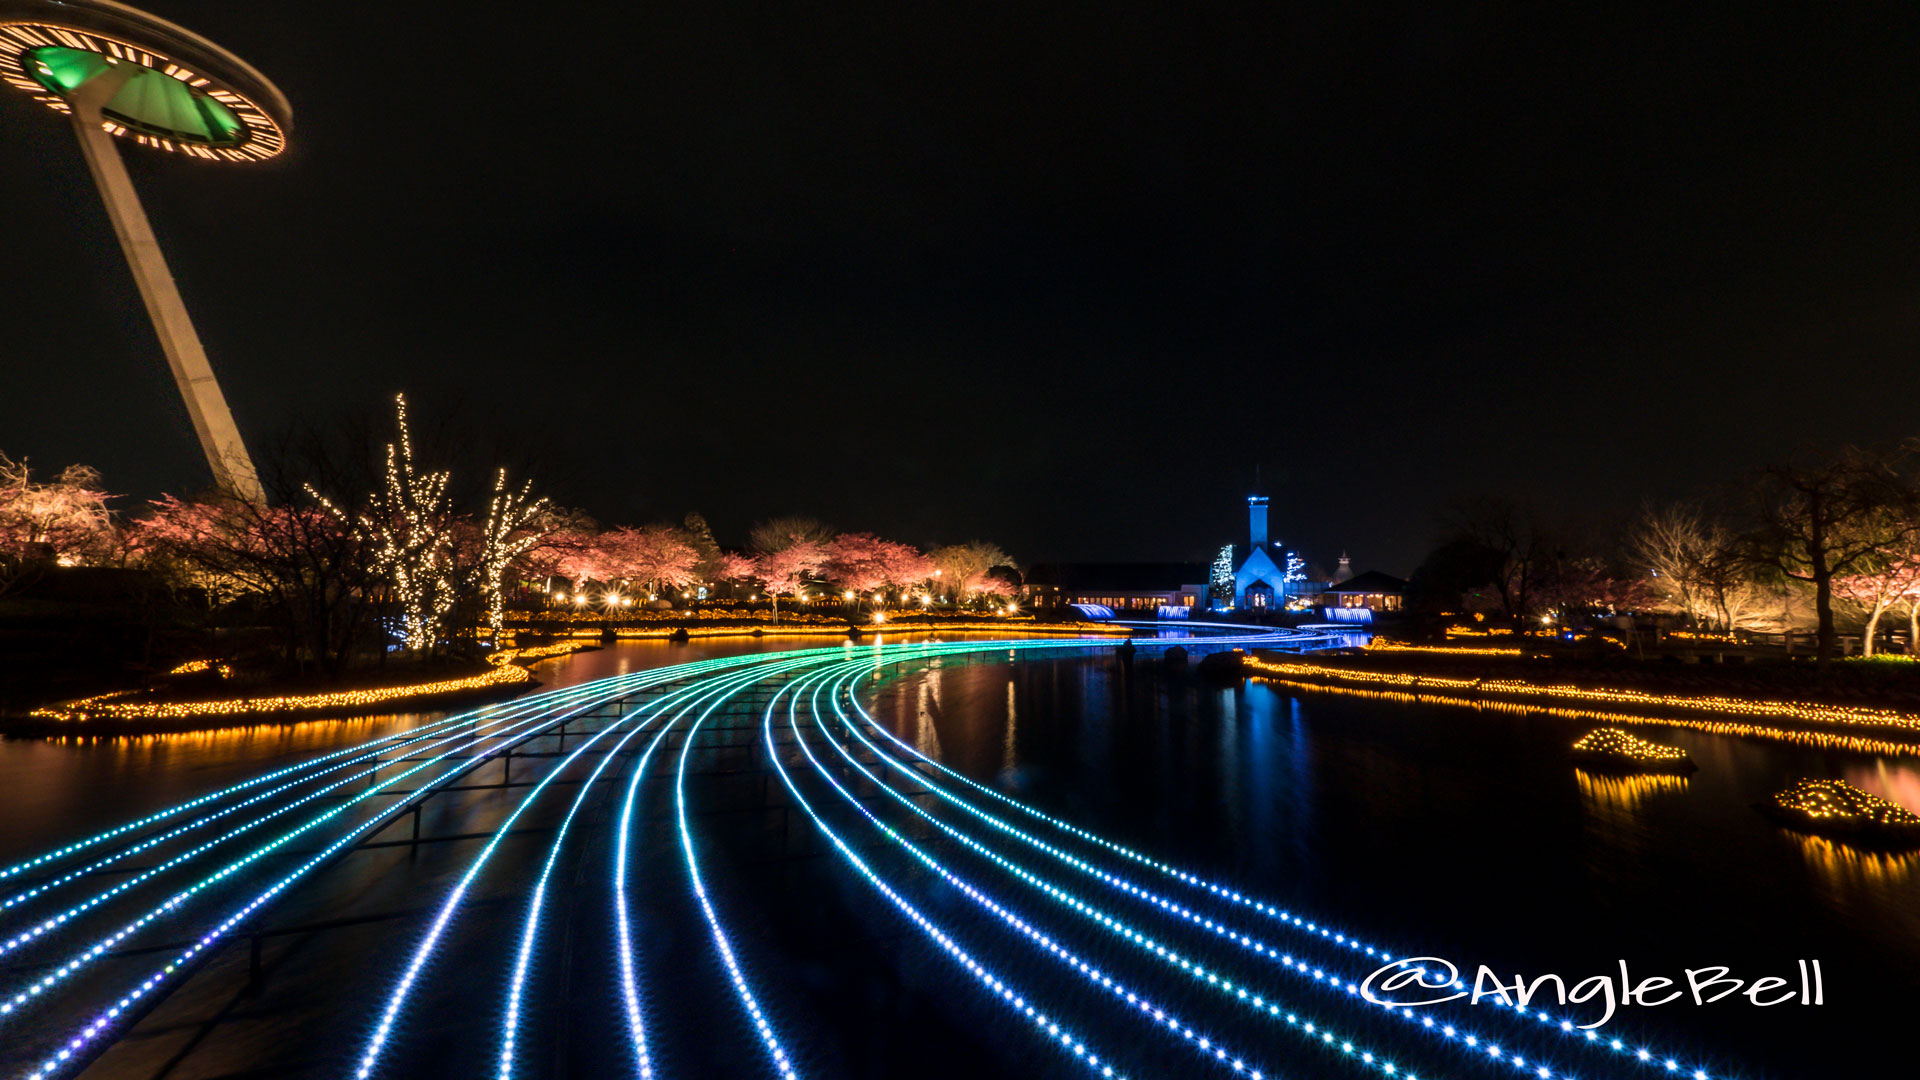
1262,577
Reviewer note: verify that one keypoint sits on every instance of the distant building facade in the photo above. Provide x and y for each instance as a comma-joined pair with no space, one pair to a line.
1135,589
1260,577
1359,598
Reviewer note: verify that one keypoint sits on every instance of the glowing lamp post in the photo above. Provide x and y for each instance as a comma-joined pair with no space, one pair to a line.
121,73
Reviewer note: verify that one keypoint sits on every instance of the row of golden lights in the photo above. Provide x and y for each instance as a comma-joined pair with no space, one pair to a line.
1378,645
904,624
611,599
1797,736
506,671
1800,711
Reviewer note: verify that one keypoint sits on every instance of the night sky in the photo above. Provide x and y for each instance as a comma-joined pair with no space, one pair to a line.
1053,279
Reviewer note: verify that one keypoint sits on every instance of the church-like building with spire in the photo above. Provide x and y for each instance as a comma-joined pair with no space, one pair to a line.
1261,577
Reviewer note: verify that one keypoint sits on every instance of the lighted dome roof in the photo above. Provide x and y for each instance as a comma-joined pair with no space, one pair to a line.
184,93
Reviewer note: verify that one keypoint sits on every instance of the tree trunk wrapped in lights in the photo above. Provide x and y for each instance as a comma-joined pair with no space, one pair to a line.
511,530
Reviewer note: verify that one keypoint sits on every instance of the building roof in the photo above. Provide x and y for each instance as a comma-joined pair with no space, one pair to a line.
1373,581
1119,577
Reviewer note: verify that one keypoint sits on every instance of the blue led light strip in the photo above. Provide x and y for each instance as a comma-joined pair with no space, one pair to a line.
597,694
607,688
105,1018
1157,951
355,755
623,918
1547,1022
34,935
510,1024
10,1007
996,986
1041,941
397,999
425,949
763,1028
423,734
161,815
1468,1043
629,982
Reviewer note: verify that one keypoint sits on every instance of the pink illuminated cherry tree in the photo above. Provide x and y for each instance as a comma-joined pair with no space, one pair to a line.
787,571
866,564
1881,583
657,556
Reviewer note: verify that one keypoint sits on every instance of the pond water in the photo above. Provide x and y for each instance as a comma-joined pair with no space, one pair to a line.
1456,831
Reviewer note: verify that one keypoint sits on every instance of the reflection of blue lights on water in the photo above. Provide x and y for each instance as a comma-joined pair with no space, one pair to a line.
1337,636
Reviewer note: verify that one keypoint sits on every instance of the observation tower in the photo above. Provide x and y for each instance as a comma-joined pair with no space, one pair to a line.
120,73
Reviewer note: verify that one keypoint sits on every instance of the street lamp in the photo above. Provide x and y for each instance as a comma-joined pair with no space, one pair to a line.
119,72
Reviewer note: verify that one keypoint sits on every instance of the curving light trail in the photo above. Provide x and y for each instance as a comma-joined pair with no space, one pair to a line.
1000,988
1148,957
1476,1044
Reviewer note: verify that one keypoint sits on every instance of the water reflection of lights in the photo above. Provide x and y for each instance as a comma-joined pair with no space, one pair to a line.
1844,864
1893,781
1625,793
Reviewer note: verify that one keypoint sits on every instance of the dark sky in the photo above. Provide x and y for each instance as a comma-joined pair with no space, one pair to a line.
1053,278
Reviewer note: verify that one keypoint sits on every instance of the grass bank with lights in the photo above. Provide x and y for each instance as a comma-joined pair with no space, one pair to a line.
199,697
1866,706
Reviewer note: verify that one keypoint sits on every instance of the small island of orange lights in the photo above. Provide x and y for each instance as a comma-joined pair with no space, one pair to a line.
1614,749
1837,809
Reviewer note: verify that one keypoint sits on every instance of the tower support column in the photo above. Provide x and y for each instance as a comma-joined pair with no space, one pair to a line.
232,467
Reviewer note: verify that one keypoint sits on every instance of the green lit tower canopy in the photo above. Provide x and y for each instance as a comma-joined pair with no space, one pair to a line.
118,73
163,86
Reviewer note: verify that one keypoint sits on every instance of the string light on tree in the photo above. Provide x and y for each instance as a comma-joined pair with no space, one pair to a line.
407,526
511,530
